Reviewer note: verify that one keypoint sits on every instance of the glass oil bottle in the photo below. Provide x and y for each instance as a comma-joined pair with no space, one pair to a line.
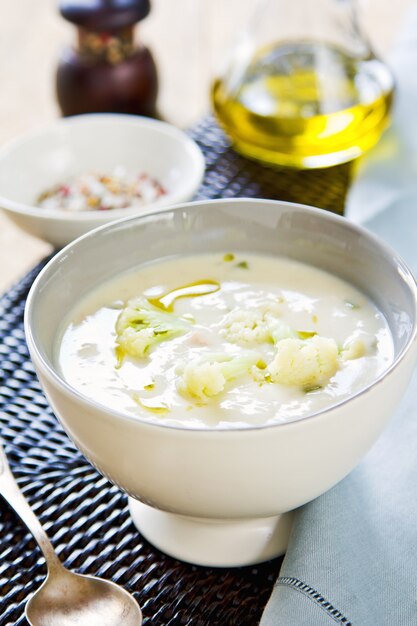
303,88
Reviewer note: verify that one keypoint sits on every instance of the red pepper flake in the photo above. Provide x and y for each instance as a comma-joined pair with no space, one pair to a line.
64,190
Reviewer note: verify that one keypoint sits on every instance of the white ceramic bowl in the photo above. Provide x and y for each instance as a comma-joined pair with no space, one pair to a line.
100,142
216,497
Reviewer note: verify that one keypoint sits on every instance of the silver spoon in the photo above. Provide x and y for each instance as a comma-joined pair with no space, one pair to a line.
67,599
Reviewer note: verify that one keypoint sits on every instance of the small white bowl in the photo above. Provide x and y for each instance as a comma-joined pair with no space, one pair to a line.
32,164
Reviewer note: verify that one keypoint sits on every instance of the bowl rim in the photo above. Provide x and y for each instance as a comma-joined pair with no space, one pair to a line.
186,190
69,391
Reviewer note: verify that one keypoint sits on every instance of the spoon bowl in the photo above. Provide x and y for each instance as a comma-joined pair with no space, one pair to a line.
68,599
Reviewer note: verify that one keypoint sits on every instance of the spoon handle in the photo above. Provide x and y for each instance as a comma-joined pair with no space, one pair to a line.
11,492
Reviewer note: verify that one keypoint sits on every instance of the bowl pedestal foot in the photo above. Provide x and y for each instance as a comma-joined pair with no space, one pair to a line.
213,542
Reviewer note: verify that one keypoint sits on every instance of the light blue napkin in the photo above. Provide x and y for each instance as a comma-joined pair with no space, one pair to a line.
352,557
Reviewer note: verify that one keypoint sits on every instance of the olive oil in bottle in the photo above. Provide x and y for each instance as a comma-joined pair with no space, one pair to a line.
305,104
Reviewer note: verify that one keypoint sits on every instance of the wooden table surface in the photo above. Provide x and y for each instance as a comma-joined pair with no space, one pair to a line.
189,38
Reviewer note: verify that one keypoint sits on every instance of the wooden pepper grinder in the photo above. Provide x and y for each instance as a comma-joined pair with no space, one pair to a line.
106,71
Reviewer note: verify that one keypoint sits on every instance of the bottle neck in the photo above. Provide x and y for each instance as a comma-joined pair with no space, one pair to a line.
111,48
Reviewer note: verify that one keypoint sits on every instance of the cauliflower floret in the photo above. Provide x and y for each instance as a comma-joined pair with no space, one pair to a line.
207,377
245,327
133,342
140,326
304,363
358,346
202,380
254,326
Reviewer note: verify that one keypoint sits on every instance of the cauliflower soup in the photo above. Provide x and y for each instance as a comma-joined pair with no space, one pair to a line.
227,340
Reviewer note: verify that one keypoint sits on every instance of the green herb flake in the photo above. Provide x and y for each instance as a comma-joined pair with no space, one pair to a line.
243,265
306,334
149,387
314,319
351,305
229,257
312,388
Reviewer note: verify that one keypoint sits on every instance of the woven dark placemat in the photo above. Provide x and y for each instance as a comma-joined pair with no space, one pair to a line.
85,516
229,175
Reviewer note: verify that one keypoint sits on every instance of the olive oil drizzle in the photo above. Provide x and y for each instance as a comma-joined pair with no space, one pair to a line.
167,301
